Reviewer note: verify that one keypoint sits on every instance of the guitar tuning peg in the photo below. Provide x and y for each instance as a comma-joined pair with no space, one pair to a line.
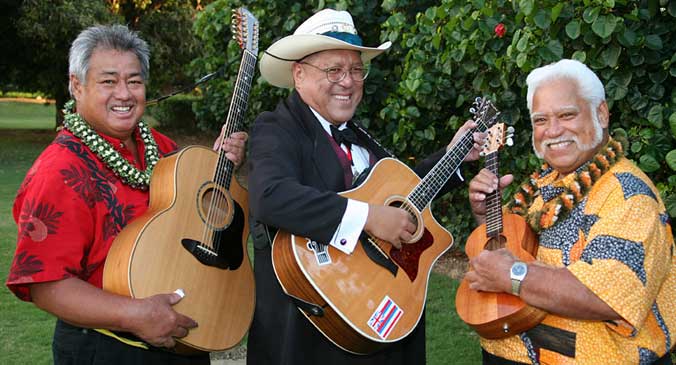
510,129
510,142
472,110
477,99
482,154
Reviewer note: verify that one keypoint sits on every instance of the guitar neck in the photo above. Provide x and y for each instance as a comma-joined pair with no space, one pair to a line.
432,183
238,106
493,201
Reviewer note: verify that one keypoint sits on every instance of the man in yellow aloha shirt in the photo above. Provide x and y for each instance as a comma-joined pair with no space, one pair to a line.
604,271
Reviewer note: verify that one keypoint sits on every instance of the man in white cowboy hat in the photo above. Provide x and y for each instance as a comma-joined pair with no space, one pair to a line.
302,153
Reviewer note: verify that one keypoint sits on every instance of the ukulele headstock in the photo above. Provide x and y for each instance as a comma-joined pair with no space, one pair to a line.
496,137
245,29
484,113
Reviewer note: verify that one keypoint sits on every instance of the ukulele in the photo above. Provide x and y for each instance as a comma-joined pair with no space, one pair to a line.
498,315
375,296
193,235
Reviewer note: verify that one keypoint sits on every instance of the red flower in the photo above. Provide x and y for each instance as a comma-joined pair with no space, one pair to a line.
500,30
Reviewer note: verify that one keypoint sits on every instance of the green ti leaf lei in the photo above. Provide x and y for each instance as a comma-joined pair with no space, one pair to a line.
129,174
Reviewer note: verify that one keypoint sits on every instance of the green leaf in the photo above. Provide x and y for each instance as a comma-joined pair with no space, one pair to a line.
671,159
590,14
655,116
637,60
610,55
553,51
653,42
636,147
526,6
523,43
579,56
521,59
542,20
573,29
556,11
672,124
628,38
648,163
604,25
413,111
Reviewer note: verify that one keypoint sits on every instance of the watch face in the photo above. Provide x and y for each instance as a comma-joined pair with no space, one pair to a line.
519,269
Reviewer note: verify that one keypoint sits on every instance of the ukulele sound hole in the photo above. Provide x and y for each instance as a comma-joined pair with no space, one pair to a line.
215,208
496,243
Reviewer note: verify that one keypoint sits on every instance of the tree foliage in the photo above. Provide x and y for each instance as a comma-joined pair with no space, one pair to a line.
38,34
445,54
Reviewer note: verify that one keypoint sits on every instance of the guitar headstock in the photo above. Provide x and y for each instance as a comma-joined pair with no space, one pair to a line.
497,136
484,113
245,30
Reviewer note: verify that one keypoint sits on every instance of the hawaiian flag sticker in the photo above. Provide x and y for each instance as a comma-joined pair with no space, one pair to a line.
385,317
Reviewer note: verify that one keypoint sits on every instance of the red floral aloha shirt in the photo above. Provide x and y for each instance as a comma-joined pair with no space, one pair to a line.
69,209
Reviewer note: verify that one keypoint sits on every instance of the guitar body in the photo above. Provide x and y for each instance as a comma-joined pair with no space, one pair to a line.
150,257
365,305
499,315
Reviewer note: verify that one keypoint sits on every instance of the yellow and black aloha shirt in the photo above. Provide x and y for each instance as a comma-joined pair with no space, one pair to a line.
618,242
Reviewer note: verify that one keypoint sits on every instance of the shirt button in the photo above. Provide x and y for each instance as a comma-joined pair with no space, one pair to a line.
343,241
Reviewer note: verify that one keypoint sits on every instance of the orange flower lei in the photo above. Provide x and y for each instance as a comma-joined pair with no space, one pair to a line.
558,208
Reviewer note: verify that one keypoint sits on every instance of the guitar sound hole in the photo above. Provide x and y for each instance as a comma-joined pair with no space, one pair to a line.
409,209
496,243
215,208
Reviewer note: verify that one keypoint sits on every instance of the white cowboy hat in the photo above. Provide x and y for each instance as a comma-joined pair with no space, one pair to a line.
327,29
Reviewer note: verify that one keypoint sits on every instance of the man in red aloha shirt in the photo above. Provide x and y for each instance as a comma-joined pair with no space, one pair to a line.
87,185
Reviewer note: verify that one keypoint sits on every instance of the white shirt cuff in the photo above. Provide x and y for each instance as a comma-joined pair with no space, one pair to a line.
347,235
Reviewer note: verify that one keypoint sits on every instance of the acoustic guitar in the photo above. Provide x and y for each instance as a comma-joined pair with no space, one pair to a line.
498,315
193,235
375,296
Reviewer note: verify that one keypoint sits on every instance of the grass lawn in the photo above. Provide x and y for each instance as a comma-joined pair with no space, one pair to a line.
15,115
25,331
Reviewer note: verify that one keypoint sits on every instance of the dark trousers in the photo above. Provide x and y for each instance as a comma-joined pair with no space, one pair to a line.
81,346
490,359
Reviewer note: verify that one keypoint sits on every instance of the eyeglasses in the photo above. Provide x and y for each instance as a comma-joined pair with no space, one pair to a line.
337,74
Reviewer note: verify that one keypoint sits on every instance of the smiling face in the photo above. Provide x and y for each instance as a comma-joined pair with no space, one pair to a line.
566,133
112,100
338,101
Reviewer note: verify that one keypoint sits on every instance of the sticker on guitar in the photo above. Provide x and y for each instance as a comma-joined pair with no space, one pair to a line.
385,317
321,252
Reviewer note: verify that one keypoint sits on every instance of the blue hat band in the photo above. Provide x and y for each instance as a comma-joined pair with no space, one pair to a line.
350,38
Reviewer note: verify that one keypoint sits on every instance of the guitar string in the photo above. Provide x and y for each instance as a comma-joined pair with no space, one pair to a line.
436,181
235,116
433,181
225,167
494,211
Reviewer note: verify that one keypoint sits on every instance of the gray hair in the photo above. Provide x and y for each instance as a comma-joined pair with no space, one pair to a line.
106,37
589,86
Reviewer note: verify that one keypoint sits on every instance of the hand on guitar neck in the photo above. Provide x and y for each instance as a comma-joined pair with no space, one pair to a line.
233,146
484,183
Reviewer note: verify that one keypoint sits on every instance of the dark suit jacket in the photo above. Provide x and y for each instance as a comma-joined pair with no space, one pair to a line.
294,175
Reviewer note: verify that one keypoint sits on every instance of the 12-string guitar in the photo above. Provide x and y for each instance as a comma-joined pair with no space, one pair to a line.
193,235
375,296
498,315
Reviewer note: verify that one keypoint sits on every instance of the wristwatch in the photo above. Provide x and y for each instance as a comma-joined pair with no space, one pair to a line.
517,273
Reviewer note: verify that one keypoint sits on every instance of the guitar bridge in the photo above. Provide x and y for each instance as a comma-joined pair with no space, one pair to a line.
228,253
377,255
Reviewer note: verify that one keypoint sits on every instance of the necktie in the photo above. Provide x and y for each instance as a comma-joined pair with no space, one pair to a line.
345,136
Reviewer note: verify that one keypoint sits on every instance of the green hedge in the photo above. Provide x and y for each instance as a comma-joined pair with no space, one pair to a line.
446,53
176,113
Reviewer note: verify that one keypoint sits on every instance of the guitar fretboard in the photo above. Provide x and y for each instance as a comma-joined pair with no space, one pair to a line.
432,183
233,123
